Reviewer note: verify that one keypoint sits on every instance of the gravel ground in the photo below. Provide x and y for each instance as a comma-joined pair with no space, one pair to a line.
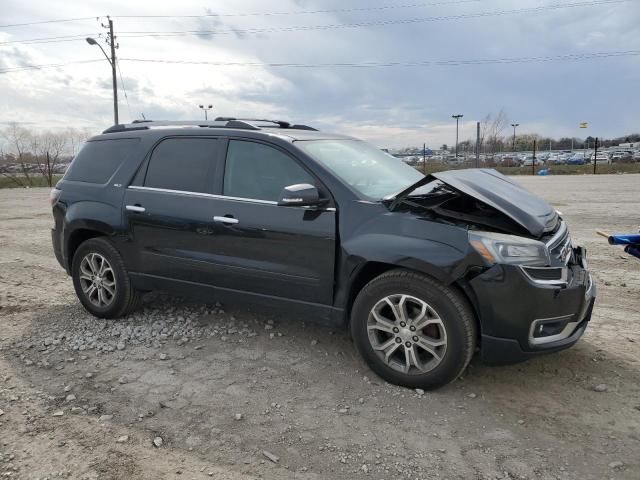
187,390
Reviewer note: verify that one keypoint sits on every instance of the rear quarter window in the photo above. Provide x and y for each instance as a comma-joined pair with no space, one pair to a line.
98,160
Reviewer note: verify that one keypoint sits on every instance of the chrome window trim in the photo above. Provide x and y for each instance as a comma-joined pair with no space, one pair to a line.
201,194
222,197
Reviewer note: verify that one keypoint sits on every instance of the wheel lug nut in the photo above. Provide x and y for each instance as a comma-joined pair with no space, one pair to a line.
412,328
395,330
402,324
398,340
415,339
408,344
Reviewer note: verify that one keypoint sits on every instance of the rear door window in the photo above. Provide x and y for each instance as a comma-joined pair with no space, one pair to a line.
98,160
260,172
185,164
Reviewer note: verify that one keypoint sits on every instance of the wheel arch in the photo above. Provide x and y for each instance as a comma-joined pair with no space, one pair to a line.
370,270
80,233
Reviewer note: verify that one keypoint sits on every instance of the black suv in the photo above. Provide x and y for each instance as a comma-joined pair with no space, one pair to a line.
423,269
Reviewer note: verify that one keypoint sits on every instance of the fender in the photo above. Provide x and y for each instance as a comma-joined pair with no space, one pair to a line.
97,217
441,261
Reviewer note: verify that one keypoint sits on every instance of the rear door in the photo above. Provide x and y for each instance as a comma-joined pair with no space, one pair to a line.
264,248
169,210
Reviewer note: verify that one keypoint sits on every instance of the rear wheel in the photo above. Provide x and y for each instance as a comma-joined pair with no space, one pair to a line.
101,280
412,330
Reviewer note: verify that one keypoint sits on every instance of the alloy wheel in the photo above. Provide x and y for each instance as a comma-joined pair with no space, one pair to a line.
97,279
407,334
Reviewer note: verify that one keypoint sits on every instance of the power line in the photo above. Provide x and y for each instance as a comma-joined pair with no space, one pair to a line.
124,89
378,23
419,63
144,34
10,25
304,12
256,14
61,38
48,65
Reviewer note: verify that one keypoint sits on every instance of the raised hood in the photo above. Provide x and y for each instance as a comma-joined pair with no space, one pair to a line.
494,189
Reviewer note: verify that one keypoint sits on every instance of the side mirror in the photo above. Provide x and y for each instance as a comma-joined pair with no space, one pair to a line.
300,195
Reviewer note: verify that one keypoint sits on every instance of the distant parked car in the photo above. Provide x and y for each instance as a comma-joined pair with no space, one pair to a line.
622,156
528,161
554,159
576,159
636,156
601,158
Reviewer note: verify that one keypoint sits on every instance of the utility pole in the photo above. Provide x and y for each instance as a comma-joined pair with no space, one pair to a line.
595,157
111,41
457,117
112,44
514,125
424,158
477,144
533,163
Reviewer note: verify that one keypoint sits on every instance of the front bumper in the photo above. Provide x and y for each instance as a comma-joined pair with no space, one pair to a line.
521,318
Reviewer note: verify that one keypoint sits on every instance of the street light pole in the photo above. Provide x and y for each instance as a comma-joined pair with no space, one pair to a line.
584,146
513,146
457,117
112,61
206,109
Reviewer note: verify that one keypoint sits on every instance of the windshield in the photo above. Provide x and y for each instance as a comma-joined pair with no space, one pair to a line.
368,170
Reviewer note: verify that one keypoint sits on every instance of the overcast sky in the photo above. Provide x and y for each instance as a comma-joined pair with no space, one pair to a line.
391,106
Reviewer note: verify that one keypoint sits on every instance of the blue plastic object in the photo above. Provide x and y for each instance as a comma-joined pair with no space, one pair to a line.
624,239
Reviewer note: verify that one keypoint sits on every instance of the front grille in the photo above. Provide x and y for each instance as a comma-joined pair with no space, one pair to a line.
559,244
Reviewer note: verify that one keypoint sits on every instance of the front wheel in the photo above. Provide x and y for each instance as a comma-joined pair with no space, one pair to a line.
101,280
412,330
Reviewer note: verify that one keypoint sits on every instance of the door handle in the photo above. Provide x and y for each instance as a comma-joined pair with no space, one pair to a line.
135,208
227,220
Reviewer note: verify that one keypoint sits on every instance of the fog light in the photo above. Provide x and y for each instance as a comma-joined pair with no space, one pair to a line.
547,329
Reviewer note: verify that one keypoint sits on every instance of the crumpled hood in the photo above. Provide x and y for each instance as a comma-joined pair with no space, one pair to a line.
496,190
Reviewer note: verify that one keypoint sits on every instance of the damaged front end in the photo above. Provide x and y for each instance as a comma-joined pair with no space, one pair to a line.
531,288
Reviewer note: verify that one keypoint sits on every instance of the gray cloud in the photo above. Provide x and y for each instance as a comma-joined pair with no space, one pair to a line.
385,104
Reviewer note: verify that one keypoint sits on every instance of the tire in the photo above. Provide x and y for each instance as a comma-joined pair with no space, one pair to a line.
118,297
446,329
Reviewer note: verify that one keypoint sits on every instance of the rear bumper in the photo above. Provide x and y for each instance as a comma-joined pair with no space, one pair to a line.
57,247
522,318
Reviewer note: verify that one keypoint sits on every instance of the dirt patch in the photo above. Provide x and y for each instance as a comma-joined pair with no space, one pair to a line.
220,385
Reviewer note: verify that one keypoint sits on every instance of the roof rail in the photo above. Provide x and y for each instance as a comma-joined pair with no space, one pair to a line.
220,122
280,123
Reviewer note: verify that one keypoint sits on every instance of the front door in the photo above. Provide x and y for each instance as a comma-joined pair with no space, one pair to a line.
265,248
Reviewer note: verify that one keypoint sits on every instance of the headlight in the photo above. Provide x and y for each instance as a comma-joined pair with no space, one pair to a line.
511,249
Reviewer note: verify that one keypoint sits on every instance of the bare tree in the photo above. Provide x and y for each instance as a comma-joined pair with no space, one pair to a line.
76,138
496,127
48,149
17,140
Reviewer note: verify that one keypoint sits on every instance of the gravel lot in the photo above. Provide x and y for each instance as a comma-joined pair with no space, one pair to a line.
186,390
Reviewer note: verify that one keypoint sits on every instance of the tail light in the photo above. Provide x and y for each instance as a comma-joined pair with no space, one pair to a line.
54,195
